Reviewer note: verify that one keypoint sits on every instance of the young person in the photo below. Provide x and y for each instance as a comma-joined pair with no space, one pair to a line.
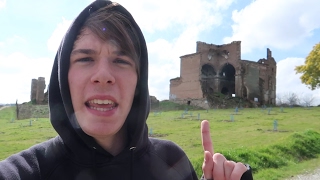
99,103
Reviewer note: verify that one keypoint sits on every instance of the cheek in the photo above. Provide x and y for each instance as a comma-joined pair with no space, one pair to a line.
127,86
74,85
76,78
133,85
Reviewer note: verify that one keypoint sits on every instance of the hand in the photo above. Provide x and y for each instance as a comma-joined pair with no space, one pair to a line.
215,165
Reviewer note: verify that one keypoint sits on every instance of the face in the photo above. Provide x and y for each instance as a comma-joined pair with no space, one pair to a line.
102,83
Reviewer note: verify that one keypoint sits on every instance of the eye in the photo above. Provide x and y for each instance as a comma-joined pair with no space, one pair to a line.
85,59
122,61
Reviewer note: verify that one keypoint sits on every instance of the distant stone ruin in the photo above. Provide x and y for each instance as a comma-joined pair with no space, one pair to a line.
154,102
219,69
37,90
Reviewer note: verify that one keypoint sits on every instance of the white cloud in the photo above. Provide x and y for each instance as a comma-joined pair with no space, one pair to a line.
280,24
289,82
165,62
2,3
57,35
162,58
157,15
16,73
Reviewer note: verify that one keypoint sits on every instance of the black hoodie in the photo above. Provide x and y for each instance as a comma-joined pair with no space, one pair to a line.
75,155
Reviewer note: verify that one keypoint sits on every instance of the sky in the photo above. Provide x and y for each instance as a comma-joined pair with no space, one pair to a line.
31,32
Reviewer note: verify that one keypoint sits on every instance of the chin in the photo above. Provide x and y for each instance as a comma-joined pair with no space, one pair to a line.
100,126
101,130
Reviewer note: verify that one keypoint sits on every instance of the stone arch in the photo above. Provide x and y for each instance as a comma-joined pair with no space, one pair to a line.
227,79
228,71
207,75
207,71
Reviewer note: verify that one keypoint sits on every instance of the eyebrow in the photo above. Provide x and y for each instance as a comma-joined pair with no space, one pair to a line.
91,51
83,51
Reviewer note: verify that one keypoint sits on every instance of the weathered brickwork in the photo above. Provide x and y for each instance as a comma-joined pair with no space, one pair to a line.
219,68
37,90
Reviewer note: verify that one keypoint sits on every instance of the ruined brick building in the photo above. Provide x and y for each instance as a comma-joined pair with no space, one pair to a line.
219,68
37,90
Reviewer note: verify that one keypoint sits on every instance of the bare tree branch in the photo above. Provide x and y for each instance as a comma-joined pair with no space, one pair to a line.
307,100
292,99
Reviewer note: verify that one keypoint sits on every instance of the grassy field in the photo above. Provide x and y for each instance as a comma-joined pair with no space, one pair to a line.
16,135
246,136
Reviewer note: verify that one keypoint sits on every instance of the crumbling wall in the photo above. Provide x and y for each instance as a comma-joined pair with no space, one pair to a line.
37,90
188,84
34,89
40,90
154,102
268,73
215,69
251,81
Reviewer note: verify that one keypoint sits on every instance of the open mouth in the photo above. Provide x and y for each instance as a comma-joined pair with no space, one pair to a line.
101,105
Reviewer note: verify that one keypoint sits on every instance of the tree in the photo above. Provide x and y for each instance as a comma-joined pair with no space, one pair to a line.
292,99
17,109
307,100
311,69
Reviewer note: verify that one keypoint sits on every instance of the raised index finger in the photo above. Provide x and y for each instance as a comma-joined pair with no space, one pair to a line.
205,136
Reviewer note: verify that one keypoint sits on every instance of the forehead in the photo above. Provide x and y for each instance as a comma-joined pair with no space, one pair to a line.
89,39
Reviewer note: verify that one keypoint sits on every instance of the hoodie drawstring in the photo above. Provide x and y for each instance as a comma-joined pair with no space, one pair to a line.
132,161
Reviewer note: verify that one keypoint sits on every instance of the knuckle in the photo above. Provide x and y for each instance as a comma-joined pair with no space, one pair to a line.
241,166
219,157
229,164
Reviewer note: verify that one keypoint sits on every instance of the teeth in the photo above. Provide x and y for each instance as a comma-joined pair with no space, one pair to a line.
99,101
101,109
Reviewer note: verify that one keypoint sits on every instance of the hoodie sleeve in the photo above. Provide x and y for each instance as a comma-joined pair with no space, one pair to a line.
34,163
170,161
23,165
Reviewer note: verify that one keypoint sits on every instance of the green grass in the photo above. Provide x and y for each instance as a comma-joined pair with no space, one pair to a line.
167,105
249,138
288,171
17,135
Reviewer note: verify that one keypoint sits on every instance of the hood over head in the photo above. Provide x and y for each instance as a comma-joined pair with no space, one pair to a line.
62,114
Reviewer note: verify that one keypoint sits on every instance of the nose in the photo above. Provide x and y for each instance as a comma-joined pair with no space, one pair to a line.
103,73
